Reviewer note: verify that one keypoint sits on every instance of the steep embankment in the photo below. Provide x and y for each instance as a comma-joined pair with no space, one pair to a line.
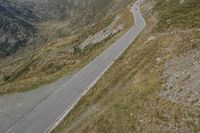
154,86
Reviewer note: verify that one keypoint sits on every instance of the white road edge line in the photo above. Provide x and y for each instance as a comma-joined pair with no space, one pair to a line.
66,112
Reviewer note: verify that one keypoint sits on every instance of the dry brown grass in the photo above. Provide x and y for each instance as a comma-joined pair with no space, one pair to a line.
126,97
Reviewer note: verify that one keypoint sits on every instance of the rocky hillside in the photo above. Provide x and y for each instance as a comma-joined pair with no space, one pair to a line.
15,29
60,9
20,19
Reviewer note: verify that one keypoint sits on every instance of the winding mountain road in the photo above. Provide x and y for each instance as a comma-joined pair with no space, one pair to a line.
51,111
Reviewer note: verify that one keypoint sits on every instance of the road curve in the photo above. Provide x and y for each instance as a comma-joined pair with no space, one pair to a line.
47,114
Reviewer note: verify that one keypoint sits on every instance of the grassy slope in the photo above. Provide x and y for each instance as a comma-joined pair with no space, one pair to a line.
125,99
175,15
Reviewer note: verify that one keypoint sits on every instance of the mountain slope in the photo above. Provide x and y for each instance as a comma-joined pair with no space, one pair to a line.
14,31
56,50
154,86
24,17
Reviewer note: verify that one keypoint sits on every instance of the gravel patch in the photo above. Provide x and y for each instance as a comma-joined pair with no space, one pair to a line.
100,36
183,79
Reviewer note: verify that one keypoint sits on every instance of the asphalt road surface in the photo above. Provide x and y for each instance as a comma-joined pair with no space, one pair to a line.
50,111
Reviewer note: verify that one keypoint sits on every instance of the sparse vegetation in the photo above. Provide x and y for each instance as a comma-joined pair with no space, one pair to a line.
126,97
174,14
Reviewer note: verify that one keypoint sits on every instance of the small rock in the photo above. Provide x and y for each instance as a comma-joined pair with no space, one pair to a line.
158,59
